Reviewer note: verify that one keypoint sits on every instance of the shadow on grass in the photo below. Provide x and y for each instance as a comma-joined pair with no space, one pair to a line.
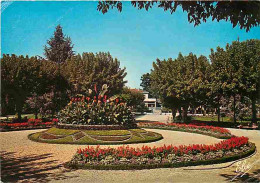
247,177
33,168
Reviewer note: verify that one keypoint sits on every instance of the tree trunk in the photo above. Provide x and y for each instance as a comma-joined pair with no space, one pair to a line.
180,112
19,113
18,107
204,111
184,114
36,115
234,109
218,108
218,111
254,119
174,111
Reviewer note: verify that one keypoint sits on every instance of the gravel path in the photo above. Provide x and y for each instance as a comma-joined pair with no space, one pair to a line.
25,160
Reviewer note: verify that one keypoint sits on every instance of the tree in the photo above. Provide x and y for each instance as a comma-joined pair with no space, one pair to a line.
146,82
245,14
146,85
27,79
246,55
88,70
236,72
182,82
60,47
132,97
19,76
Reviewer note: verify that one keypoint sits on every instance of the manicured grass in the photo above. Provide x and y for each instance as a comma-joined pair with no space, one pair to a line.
36,135
138,130
215,119
95,137
57,131
107,132
211,118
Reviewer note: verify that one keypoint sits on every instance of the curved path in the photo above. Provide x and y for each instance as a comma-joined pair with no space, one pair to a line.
23,159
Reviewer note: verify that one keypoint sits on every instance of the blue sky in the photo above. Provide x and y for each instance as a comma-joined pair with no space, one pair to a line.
135,37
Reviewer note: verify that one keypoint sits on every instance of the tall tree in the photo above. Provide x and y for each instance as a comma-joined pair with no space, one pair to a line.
19,78
146,85
146,82
245,14
245,56
89,69
182,82
60,47
236,72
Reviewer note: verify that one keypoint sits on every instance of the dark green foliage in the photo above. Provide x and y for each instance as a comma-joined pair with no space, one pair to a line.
133,98
20,76
245,14
236,72
25,78
60,47
89,69
182,82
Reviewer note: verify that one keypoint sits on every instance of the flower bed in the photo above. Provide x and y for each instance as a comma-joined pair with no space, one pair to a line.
30,124
205,130
96,108
94,137
126,157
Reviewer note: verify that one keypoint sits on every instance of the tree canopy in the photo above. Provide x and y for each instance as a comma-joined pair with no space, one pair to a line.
232,75
236,71
245,14
60,47
181,82
89,69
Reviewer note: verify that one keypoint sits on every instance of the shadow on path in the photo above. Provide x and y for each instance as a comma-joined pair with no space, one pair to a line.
247,177
33,168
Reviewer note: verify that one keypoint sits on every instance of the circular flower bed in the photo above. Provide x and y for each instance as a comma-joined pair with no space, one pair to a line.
95,137
125,157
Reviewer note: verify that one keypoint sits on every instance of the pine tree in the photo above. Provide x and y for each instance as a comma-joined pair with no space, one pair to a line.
60,47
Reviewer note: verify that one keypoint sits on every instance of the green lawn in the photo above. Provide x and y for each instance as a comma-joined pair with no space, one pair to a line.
215,119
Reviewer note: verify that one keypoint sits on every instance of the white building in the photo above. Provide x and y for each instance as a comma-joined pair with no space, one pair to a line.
152,103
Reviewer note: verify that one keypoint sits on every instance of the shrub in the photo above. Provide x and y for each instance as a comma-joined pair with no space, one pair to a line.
97,109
